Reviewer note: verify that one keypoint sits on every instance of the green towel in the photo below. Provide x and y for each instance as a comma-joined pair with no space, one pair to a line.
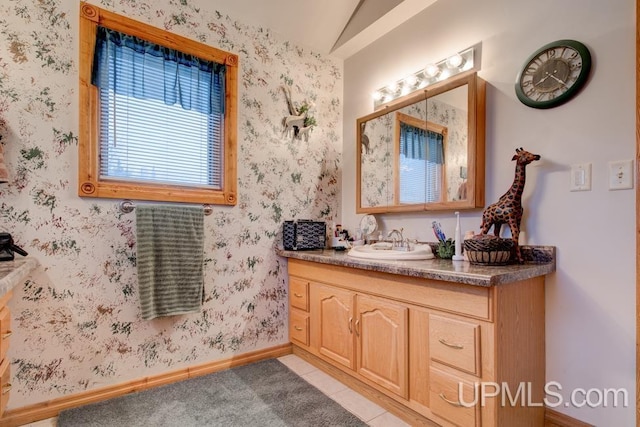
170,259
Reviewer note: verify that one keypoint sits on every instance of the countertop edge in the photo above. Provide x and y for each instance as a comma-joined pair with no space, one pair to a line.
437,269
14,272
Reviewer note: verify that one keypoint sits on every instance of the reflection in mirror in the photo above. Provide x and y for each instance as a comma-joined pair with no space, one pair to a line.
376,161
420,147
450,110
424,152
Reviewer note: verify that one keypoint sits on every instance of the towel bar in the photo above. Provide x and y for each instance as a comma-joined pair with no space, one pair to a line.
127,206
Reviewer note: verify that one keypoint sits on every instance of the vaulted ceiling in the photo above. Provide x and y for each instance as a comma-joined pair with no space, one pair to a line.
337,27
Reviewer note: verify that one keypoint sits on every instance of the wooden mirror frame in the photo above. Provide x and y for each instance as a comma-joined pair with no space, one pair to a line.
475,145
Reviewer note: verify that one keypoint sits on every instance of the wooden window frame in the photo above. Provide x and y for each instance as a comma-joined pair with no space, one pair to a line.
426,126
89,183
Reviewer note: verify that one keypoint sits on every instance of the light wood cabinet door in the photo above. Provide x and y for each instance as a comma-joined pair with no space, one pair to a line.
299,293
333,312
5,331
455,342
299,327
5,386
381,331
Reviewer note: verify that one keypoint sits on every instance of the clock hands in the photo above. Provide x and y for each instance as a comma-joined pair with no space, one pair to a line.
552,75
542,79
557,79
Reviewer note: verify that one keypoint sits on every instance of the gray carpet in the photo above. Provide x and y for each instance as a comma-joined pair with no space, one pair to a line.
265,393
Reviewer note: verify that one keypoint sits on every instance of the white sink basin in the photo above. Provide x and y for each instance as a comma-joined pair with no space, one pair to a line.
373,252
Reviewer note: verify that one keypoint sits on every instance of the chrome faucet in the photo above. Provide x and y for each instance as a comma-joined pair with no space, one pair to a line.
396,233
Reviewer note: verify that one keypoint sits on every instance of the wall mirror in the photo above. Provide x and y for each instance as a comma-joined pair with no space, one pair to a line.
424,151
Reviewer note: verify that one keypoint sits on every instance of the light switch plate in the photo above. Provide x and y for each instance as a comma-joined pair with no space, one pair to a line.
580,177
621,175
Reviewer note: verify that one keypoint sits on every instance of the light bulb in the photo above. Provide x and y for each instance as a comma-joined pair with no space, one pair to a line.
410,81
431,70
377,95
454,61
392,87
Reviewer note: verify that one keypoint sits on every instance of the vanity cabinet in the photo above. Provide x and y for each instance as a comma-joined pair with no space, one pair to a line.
362,333
5,333
424,347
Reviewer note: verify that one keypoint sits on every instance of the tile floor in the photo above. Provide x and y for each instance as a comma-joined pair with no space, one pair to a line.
355,403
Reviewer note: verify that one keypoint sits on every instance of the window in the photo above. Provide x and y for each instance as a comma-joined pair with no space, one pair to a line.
157,115
420,151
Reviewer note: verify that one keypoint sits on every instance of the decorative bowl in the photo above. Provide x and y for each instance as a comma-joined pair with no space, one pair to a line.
484,249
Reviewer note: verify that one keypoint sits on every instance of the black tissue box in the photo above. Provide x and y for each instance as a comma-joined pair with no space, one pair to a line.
304,234
7,247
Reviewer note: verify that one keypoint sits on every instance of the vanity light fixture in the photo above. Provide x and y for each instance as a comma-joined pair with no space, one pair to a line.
432,73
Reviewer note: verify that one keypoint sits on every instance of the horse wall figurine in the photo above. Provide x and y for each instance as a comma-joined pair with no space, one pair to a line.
293,123
508,209
297,118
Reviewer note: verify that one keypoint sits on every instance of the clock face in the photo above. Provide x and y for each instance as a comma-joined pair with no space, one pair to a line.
553,74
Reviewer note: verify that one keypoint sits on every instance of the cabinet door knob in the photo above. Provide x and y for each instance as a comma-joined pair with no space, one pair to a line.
450,402
297,295
350,325
454,346
358,327
6,335
297,328
6,388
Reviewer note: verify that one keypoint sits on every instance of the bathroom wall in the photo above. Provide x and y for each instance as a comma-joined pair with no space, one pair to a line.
76,321
590,304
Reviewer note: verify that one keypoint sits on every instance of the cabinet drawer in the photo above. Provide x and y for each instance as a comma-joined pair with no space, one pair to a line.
5,331
453,399
5,386
455,343
299,293
299,327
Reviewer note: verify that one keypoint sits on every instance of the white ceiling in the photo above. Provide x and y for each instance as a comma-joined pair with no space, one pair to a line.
318,24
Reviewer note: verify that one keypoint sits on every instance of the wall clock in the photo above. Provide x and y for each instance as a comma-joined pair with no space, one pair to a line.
553,74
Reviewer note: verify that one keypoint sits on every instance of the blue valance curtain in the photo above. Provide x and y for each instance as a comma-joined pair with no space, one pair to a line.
416,143
135,67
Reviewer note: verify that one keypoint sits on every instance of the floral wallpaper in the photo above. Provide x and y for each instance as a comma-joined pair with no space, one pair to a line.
76,320
376,162
455,120
376,165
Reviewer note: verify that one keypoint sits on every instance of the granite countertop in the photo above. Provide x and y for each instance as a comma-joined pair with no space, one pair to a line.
13,272
539,260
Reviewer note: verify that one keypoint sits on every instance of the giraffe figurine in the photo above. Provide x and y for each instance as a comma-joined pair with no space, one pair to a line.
508,209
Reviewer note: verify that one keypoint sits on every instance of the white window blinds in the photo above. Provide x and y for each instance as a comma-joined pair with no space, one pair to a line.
161,113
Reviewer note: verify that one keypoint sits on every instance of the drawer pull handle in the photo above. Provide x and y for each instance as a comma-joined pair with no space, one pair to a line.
6,335
350,325
358,327
297,295
6,388
450,402
297,328
456,346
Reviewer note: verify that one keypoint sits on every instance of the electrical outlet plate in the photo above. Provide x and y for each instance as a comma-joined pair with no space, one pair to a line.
621,175
580,177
